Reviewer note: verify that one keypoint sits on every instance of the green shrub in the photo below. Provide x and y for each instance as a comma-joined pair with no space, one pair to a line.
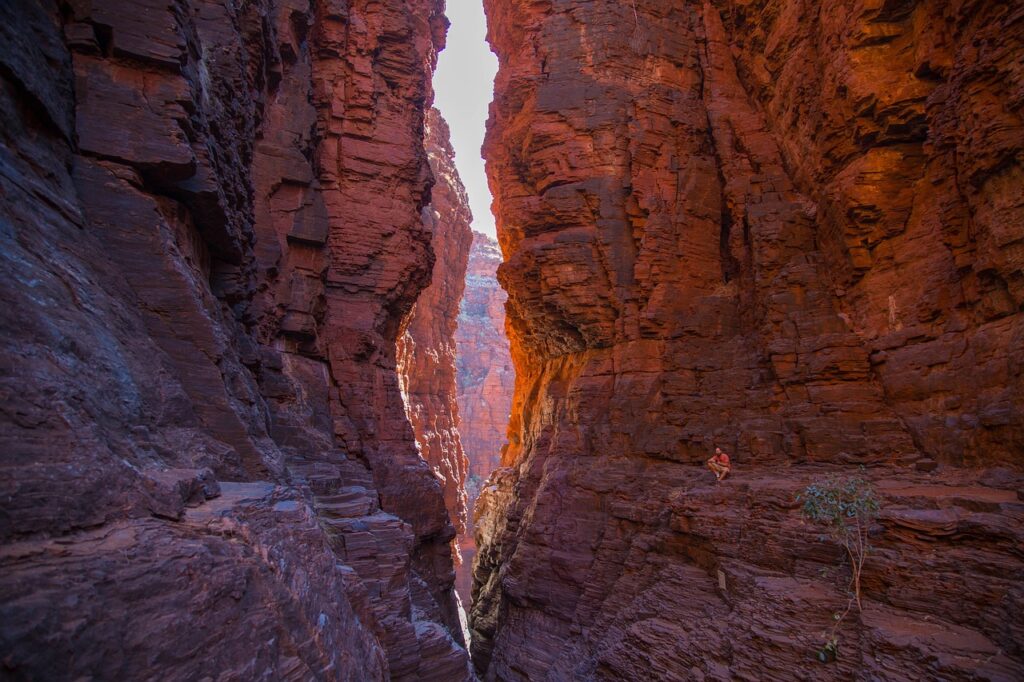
846,507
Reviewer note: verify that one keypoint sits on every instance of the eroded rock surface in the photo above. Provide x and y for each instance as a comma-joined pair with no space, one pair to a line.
427,348
791,230
211,237
485,378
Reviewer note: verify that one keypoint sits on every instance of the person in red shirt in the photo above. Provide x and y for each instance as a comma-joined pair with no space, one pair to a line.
719,464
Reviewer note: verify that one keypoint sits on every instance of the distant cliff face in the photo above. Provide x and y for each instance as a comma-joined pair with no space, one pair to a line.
790,231
212,235
484,364
485,379
427,348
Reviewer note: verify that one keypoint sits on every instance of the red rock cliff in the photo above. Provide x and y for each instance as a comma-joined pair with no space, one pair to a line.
484,365
485,378
790,229
427,349
212,236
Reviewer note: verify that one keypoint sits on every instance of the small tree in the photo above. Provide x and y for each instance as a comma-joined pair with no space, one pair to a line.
846,507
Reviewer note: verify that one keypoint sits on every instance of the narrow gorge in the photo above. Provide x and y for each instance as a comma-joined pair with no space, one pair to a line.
266,412
485,381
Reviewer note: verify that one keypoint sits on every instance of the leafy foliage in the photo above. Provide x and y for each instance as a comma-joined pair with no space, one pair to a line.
846,507
830,651
840,505
474,484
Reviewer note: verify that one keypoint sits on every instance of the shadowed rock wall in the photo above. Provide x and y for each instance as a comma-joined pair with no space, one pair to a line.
427,348
211,237
790,229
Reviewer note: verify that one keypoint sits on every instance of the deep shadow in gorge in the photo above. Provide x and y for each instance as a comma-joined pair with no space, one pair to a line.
788,229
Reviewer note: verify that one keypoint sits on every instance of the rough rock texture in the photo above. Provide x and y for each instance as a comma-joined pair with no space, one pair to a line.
485,378
427,348
211,236
791,229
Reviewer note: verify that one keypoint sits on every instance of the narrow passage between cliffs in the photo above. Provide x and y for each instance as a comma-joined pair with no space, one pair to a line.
463,86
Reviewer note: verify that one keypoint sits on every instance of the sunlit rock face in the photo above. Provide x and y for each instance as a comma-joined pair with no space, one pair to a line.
212,235
485,380
792,232
427,348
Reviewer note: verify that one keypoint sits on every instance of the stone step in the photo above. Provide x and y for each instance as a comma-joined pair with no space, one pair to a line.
348,502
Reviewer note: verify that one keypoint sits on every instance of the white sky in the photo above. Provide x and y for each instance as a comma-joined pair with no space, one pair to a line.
463,86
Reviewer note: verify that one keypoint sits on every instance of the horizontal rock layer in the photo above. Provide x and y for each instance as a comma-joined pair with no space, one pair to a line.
212,235
791,231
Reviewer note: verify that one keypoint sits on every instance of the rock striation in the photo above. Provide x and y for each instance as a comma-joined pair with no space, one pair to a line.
212,237
485,380
794,232
427,348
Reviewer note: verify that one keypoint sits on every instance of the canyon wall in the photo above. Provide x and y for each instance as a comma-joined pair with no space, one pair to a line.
485,380
793,230
427,348
212,236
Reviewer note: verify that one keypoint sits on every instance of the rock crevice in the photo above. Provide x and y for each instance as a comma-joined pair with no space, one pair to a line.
485,380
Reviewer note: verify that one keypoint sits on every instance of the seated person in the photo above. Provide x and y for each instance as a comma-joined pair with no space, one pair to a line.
719,464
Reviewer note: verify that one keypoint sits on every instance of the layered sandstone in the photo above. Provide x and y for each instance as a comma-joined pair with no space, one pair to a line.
485,379
427,348
212,236
791,231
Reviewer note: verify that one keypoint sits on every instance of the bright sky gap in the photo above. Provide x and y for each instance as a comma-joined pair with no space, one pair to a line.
463,87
